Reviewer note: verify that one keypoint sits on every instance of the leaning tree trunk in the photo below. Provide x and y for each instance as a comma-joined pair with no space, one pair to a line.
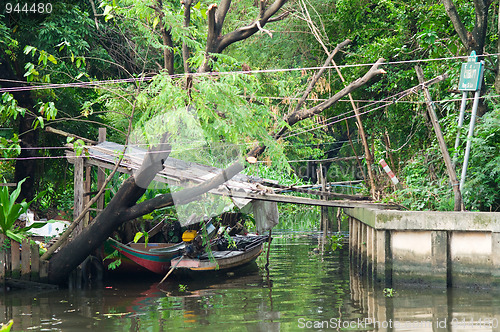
75,252
123,207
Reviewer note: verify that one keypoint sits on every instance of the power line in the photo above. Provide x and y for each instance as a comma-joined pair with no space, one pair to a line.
261,71
386,103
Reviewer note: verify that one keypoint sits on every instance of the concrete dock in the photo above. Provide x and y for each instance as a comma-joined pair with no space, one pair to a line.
436,249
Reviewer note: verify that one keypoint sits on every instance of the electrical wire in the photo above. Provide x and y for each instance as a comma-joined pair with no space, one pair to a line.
386,101
261,71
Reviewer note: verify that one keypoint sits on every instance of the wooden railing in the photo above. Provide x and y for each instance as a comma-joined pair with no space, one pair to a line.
21,261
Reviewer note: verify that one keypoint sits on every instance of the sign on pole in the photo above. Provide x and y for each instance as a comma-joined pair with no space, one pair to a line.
471,74
471,78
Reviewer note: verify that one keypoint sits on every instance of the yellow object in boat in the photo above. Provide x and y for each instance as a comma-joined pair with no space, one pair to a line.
189,236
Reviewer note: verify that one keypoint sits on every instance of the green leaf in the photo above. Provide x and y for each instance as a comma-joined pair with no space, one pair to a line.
52,59
29,49
138,236
38,121
6,327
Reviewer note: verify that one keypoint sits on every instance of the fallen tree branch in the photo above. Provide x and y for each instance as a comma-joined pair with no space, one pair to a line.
300,115
318,74
65,134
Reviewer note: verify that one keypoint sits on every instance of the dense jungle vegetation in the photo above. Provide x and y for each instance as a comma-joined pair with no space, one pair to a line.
234,71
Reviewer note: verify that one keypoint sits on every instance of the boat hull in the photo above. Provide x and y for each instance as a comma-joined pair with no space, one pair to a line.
224,260
156,262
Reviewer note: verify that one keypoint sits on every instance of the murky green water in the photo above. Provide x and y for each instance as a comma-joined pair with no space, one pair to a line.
304,291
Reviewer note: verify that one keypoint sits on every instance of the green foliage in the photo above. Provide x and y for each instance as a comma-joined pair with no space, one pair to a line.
9,108
116,262
336,241
482,186
10,212
144,23
421,192
389,292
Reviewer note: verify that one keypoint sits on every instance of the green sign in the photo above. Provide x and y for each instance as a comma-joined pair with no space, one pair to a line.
471,75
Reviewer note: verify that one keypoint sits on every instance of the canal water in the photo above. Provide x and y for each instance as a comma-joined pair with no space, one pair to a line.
304,290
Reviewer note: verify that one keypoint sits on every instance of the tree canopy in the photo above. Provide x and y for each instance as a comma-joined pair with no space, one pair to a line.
237,71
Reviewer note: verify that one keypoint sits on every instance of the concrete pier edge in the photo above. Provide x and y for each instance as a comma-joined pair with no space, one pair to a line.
426,248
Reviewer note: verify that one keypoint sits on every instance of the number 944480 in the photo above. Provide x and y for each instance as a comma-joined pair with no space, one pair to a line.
27,8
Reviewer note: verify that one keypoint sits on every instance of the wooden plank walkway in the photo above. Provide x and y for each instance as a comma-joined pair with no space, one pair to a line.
242,188
306,201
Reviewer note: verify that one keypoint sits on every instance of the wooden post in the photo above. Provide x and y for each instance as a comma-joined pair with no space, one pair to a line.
324,209
101,176
25,259
35,262
15,259
3,259
44,270
86,197
442,143
78,188
8,257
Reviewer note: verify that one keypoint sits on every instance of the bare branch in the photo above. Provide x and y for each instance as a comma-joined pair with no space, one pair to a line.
249,30
319,73
304,114
221,15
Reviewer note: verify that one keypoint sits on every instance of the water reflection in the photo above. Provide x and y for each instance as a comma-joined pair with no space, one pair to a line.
425,309
303,289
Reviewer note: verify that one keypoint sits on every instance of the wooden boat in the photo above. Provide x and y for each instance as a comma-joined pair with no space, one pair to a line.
248,249
154,257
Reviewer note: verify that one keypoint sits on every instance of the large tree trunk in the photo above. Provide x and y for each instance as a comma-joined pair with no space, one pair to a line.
472,40
123,207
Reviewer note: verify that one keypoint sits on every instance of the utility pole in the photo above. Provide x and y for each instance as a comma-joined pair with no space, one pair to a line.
442,144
